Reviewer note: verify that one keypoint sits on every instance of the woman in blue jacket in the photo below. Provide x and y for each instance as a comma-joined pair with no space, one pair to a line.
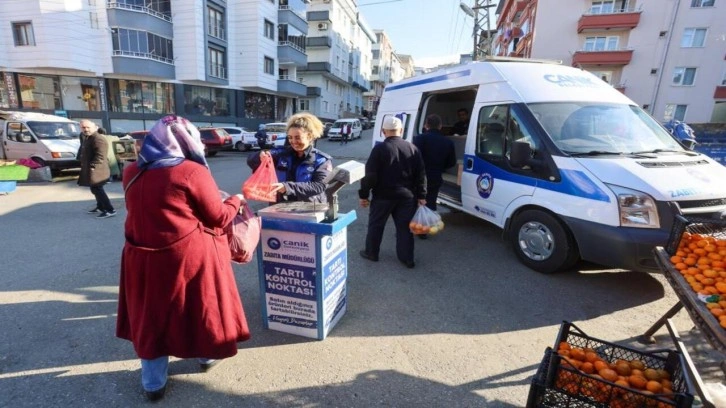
300,167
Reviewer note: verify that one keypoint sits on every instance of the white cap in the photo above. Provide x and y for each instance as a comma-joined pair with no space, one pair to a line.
391,122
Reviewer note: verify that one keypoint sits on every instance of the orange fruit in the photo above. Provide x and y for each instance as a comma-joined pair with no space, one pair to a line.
637,365
654,386
637,381
651,374
587,367
623,368
717,311
577,354
608,374
591,356
563,346
599,365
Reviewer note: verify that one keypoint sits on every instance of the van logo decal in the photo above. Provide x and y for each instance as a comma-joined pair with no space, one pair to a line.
484,185
570,81
437,78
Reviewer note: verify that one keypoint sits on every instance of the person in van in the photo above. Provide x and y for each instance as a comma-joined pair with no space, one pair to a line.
396,178
438,154
461,128
300,167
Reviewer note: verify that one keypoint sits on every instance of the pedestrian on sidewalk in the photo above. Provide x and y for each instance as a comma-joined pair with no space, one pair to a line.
395,176
345,134
177,293
95,170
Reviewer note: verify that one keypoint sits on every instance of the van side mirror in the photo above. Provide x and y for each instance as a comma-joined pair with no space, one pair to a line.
520,155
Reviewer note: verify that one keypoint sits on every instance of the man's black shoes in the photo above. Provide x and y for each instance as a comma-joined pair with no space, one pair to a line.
368,256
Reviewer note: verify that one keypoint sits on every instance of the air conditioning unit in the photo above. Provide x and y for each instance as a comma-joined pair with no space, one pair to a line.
322,26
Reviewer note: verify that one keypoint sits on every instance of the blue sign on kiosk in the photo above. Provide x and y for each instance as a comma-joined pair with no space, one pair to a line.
302,261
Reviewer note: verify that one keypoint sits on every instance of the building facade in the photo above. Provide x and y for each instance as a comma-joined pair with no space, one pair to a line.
669,56
126,63
383,56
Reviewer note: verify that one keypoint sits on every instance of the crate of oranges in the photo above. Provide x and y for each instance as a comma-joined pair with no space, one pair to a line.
694,262
582,371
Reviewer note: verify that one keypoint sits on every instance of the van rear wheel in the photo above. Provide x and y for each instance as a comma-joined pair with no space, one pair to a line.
542,243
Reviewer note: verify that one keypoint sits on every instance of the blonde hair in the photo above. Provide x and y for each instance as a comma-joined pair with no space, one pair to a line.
308,122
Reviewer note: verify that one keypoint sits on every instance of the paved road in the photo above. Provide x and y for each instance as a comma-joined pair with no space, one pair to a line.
466,328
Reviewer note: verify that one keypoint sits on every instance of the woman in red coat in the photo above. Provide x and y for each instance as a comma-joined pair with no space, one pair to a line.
177,296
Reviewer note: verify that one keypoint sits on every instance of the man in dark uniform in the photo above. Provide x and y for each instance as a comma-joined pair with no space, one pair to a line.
461,128
395,175
438,154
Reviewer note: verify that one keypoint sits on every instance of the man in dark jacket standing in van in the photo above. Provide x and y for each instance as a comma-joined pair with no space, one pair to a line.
396,177
438,154
94,168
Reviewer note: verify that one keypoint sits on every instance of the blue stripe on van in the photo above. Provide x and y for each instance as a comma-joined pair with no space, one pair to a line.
452,75
574,182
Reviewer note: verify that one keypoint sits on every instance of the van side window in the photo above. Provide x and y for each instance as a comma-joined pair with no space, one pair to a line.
491,129
18,132
498,127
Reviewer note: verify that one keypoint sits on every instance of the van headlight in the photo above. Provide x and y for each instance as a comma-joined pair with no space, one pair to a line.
637,209
62,155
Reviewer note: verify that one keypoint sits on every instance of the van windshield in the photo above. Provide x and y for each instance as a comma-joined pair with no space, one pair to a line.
340,124
586,127
55,130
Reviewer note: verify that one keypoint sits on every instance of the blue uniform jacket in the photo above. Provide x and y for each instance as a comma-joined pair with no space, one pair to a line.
302,176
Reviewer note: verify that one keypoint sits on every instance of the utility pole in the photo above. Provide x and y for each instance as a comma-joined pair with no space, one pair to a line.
480,12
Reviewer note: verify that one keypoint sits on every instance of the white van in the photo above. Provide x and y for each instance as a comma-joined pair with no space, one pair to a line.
48,140
357,129
565,164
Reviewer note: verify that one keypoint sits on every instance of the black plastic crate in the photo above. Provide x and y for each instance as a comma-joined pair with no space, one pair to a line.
712,227
559,384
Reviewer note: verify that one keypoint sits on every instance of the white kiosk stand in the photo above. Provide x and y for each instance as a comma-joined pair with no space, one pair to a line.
302,261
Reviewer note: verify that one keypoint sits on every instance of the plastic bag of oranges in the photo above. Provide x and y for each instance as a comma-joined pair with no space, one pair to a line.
426,221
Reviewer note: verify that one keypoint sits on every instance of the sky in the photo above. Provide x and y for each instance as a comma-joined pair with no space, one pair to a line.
431,31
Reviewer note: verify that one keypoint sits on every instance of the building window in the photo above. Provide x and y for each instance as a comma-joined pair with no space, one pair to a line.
684,76
602,7
606,76
702,3
269,30
269,66
304,104
609,43
215,23
259,106
135,43
723,79
23,33
40,92
82,94
693,37
675,112
140,97
326,109
153,7
217,64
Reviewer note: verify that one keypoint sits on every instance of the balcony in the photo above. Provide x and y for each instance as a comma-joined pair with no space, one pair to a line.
290,53
288,87
286,15
319,42
314,91
720,92
316,66
616,57
127,62
319,16
621,21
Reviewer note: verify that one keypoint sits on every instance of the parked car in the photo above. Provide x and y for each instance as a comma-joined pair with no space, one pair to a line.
366,123
276,133
242,139
215,139
326,128
334,132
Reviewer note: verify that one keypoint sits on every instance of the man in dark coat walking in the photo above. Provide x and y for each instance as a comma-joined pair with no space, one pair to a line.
438,154
396,178
95,171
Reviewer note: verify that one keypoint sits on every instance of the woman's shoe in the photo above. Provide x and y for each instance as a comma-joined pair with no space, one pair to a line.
207,366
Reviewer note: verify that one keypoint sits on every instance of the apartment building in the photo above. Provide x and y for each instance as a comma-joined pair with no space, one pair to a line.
383,56
125,63
669,56
339,60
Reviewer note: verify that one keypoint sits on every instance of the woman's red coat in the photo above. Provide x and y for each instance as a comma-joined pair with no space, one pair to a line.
177,295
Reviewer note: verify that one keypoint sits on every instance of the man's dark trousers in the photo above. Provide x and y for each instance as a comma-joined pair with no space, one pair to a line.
102,201
402,211
432,192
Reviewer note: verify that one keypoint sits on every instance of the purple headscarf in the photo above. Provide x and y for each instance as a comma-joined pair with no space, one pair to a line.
172,140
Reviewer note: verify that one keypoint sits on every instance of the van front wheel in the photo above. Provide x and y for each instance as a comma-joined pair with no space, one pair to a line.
542,243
